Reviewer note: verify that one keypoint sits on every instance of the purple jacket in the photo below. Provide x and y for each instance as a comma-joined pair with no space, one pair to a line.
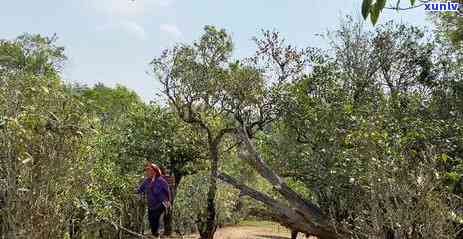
157,191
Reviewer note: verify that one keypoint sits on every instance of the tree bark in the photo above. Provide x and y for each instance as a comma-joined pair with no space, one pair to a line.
209,229
294,234
282,213
300,214
168,229
11,191
168,223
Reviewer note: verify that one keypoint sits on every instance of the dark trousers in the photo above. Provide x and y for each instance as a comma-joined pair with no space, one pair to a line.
153,218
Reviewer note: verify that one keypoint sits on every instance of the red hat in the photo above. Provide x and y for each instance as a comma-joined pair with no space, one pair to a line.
157,170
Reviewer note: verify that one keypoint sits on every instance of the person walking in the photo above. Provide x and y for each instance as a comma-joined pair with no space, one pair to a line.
158,194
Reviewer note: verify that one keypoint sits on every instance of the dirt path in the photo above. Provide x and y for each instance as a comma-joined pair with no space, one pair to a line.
269,231
251,232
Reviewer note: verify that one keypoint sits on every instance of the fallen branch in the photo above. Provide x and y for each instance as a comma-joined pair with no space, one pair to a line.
115,225
120,227
300,214
286,215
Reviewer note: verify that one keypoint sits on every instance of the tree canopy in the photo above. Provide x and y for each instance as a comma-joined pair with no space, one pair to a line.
362,138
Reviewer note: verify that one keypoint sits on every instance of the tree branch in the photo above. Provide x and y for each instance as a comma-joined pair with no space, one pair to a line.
117,226
222,133
287,216
407,8
267,200
308,209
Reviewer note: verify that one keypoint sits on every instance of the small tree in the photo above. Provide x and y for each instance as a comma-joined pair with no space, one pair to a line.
191,77
44,140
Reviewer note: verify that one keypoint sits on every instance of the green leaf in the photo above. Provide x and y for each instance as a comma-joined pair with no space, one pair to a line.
366,6
444,157
45,89
374,15
412,2
348,108
380,4
452,176
376,10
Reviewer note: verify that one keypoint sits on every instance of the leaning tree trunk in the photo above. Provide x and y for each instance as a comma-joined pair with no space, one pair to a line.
301,215
274,217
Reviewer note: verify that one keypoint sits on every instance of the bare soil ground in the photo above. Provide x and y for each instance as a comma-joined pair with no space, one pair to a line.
252,230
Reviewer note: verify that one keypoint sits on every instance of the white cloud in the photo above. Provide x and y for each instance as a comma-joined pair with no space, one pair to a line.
130,27
126,15
171,30
125,8
134,28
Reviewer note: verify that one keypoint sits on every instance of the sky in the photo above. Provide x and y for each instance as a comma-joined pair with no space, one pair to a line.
113,41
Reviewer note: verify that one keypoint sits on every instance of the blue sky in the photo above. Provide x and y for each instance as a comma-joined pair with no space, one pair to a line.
112,41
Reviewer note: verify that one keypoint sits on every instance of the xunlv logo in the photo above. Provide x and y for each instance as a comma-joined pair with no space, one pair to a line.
444,7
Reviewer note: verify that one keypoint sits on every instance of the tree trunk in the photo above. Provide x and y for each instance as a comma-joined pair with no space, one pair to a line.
168,214
75,224
300,215
11,191
210,227
294,234
282,213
